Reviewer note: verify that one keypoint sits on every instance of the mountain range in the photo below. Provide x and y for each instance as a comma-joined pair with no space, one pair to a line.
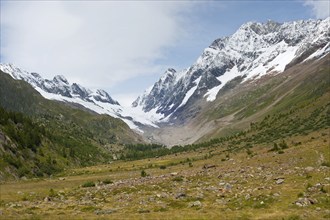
254,50
59,88
59,85
181,106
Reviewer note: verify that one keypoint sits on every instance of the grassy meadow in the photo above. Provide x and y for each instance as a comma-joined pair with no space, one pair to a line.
207,183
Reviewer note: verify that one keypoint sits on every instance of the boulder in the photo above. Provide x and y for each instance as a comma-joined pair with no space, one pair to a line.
195,204
279,181
309,169
208,166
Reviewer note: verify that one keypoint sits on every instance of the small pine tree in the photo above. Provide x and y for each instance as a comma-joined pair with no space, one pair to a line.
63,152
71,152
275,147
51,193
283,145
143,173
249,152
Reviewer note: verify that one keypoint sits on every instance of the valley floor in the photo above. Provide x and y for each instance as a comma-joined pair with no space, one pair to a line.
204,184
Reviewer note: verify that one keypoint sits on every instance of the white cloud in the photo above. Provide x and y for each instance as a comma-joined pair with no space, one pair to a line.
95,43
320,8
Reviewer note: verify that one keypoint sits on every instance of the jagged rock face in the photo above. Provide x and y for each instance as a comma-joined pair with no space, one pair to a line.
58,85
103,96
80,91
255,49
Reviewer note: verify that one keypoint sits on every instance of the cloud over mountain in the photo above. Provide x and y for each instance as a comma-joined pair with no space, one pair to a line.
93,43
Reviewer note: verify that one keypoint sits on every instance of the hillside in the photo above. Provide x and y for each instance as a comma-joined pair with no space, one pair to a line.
299,90
40,137
296,93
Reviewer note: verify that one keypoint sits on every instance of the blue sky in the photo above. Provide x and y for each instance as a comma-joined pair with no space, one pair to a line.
124,47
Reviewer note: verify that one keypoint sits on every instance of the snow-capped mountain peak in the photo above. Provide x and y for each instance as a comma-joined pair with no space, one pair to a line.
60,79
98,100
254,50
169,73
58,85
80,91
103,96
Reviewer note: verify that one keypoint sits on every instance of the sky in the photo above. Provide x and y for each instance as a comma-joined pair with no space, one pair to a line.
124,47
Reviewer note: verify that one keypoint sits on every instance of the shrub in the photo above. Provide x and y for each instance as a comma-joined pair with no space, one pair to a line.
308,185
88,209
163,167
326,164
107,181
294,217
249,152
283,145
22,171
275,148
144,211
88,184
51,193
300,195
143,173
323,190
177,179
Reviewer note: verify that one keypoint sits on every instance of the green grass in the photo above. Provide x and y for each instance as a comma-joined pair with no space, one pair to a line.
133,196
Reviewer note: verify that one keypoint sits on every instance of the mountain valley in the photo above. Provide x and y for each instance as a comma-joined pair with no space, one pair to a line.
243,133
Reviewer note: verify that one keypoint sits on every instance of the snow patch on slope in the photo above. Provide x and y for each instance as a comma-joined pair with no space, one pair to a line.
283,59
190,92
229,75
319,53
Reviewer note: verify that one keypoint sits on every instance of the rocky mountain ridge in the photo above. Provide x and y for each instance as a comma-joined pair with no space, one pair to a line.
254,50
59,85
98,100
